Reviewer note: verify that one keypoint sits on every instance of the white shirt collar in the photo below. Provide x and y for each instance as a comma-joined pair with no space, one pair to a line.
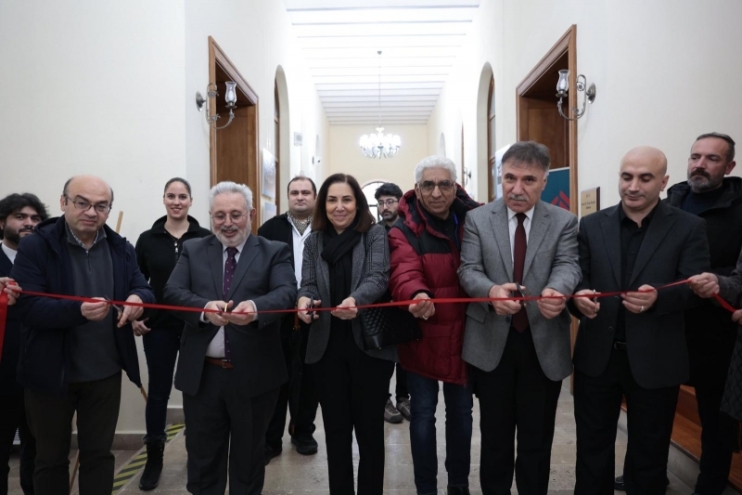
9,252
239,248
528,213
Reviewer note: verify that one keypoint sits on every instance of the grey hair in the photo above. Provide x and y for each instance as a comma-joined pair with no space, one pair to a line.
231,187
435,161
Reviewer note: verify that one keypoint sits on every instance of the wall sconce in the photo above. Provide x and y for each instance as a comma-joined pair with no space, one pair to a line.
563,87
211,92
466,177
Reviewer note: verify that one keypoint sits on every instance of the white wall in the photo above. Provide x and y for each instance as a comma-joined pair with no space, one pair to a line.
108,88
346,157
665,72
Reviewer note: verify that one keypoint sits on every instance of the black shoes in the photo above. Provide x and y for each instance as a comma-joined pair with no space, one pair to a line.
271,452
458,490
153,469
305,444
620,485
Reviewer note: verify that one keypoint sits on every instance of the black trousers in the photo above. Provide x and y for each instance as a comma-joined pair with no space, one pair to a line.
353,389
516,394
226,432
50,420
716,448
650,414
12,418
299,390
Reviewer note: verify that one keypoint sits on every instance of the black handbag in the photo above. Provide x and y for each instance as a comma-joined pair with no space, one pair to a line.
388,326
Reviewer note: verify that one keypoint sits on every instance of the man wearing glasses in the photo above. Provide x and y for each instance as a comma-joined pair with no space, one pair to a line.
231,363
73,352
387,197
424,249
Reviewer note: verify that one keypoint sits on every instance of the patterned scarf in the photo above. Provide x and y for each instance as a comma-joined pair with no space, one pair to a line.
301,225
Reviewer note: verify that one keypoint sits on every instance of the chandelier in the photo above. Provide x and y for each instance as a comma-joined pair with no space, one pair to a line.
380,145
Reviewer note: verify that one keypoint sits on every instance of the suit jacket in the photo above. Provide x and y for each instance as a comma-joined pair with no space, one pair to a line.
551,262
264,275
12,344
369,281
674,248
279,228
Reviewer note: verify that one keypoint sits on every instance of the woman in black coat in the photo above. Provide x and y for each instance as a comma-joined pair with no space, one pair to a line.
346,264
157,253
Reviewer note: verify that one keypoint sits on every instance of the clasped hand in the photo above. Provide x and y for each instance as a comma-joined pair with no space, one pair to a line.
9,286
243,314
96,311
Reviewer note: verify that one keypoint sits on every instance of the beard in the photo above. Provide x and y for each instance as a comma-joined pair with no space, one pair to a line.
702,181
231,241
14,236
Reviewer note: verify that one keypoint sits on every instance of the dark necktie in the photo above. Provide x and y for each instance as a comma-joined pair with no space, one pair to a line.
229,268
520,319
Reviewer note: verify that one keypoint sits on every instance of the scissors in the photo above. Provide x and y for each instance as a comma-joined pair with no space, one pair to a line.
117,307
310,307
519,293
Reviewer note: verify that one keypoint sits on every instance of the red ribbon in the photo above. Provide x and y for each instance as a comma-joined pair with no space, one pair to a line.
447,300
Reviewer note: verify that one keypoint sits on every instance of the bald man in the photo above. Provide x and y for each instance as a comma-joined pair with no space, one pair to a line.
74,352
633,344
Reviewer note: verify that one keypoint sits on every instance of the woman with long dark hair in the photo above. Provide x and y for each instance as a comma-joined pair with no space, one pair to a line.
346,264
158,250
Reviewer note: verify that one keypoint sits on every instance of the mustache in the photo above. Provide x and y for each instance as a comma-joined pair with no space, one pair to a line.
517,197
700,172
26,229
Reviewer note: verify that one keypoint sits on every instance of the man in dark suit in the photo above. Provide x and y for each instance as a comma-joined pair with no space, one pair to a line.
519,352
231,364
298,394
19,215
634,344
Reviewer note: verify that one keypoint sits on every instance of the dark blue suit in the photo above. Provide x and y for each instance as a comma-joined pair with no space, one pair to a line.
12,413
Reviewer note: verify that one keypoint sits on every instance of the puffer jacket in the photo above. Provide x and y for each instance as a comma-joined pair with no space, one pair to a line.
425,260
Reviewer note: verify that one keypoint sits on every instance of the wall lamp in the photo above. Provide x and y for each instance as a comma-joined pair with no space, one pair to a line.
588,93
230,97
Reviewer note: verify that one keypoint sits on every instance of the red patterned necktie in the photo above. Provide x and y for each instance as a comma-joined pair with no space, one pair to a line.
520,319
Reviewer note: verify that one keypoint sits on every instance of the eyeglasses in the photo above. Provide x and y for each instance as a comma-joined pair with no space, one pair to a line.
429,186
235,216
388,203
84,205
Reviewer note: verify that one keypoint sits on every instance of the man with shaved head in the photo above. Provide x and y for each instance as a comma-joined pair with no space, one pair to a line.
73,352
633,345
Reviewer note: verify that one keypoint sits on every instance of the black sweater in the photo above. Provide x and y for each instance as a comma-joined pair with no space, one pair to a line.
157,254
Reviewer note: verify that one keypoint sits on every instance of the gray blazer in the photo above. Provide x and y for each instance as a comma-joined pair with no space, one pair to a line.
369,282
551,262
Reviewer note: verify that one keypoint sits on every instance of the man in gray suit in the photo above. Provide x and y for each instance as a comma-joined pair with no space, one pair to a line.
519,352
231,364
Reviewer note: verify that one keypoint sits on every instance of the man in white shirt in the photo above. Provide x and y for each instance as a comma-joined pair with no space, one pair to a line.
19,215
293,228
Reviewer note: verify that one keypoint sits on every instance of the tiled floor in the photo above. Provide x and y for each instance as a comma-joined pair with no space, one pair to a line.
291,473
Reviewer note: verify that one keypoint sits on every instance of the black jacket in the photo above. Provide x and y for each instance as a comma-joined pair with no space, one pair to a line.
674,248
709,329
12,343
157,253
43,265
279,229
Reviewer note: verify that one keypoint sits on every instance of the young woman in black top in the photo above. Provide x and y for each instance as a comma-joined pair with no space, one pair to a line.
157,252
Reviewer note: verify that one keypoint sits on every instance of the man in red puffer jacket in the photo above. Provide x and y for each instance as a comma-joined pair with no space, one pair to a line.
424,246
